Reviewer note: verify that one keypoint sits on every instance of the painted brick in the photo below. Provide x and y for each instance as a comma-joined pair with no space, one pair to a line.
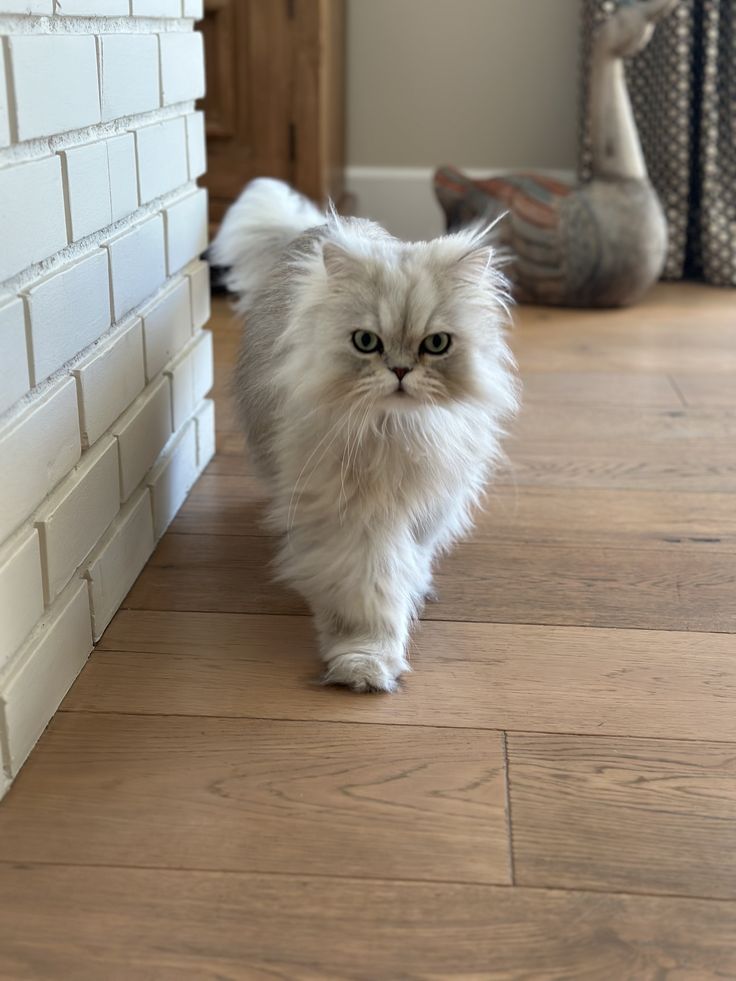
167,326
93,8
77,514
87,177
44,671
32,204
202,366
196,145
123,175
28,6
156,8
142,433
186,229
199,287
137,264
194,8
162,158
38,447
108,380
182,67
205,419
129,74
119,558
14,376
172,479
21,591
55,83
181,373
4,110
67,311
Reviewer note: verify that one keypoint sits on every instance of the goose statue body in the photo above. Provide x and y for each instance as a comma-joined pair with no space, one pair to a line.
601,243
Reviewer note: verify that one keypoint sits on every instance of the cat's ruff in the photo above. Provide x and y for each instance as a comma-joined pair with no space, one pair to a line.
373,383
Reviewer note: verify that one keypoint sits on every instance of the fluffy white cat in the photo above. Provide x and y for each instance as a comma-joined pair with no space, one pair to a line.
373,382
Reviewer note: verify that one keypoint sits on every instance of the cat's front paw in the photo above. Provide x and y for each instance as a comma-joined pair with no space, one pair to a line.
365,671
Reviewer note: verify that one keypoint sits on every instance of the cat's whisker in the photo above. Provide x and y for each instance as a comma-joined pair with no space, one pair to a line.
346,453
291,513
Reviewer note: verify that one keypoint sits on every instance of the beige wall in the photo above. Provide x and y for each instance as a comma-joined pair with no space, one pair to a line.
480,83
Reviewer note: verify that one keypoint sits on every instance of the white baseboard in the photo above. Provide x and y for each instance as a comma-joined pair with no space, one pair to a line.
402,199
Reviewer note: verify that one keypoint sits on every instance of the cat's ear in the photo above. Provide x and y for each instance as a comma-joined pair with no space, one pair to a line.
478,252
337,261
472,266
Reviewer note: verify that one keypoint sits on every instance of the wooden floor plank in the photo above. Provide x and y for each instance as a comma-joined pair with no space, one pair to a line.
625,814
171,926
680,328
611,388
706,389
681,449
119,924
502,676
266,796
234,505
684,589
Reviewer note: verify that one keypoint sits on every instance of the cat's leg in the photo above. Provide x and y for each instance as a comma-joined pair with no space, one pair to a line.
364,593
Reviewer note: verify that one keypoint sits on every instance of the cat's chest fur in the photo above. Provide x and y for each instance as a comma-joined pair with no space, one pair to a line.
410,473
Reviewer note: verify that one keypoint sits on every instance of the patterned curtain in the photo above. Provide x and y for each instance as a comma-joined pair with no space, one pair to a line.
683,90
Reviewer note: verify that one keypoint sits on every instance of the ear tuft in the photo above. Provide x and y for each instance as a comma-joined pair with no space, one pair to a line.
476,263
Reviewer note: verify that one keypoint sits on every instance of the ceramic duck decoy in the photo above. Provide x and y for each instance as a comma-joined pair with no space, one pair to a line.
598,244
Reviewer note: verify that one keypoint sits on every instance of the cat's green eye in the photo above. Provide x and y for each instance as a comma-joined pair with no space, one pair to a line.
367,342
435,343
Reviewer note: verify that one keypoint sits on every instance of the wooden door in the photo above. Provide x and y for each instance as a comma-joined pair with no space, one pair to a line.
274,105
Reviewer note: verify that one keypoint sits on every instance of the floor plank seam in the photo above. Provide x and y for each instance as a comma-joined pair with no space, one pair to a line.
403,725
509,822
277,873
678,390
501,623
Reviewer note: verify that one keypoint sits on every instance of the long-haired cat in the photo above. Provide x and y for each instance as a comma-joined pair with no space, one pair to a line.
373,382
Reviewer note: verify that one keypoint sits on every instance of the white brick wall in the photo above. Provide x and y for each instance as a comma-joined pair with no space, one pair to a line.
32,204
137,264
104,365
162,158
129,74
186,229
54,80
142,433
87,176
15,379
67,310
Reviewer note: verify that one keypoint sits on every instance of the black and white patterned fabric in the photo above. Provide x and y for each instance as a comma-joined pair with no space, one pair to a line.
683,90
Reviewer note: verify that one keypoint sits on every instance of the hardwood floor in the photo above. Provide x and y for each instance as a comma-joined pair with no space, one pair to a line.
552,793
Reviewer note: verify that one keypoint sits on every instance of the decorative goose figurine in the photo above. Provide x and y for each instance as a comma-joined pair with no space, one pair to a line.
601,243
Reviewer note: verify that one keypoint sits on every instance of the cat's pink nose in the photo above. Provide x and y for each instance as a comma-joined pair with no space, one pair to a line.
400,372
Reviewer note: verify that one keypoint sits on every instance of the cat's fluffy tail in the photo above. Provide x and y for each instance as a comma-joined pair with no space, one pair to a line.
267,216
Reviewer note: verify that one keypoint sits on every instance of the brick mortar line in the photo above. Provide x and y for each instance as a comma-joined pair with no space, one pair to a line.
61,24
45,146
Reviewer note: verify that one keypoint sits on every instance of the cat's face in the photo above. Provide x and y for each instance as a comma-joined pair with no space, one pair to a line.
404,327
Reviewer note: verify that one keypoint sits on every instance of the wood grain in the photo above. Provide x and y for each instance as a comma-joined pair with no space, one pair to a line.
118,924
612,388
636,447
500,676
706,389
255,795
683,589
233,504
626,814
679,328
